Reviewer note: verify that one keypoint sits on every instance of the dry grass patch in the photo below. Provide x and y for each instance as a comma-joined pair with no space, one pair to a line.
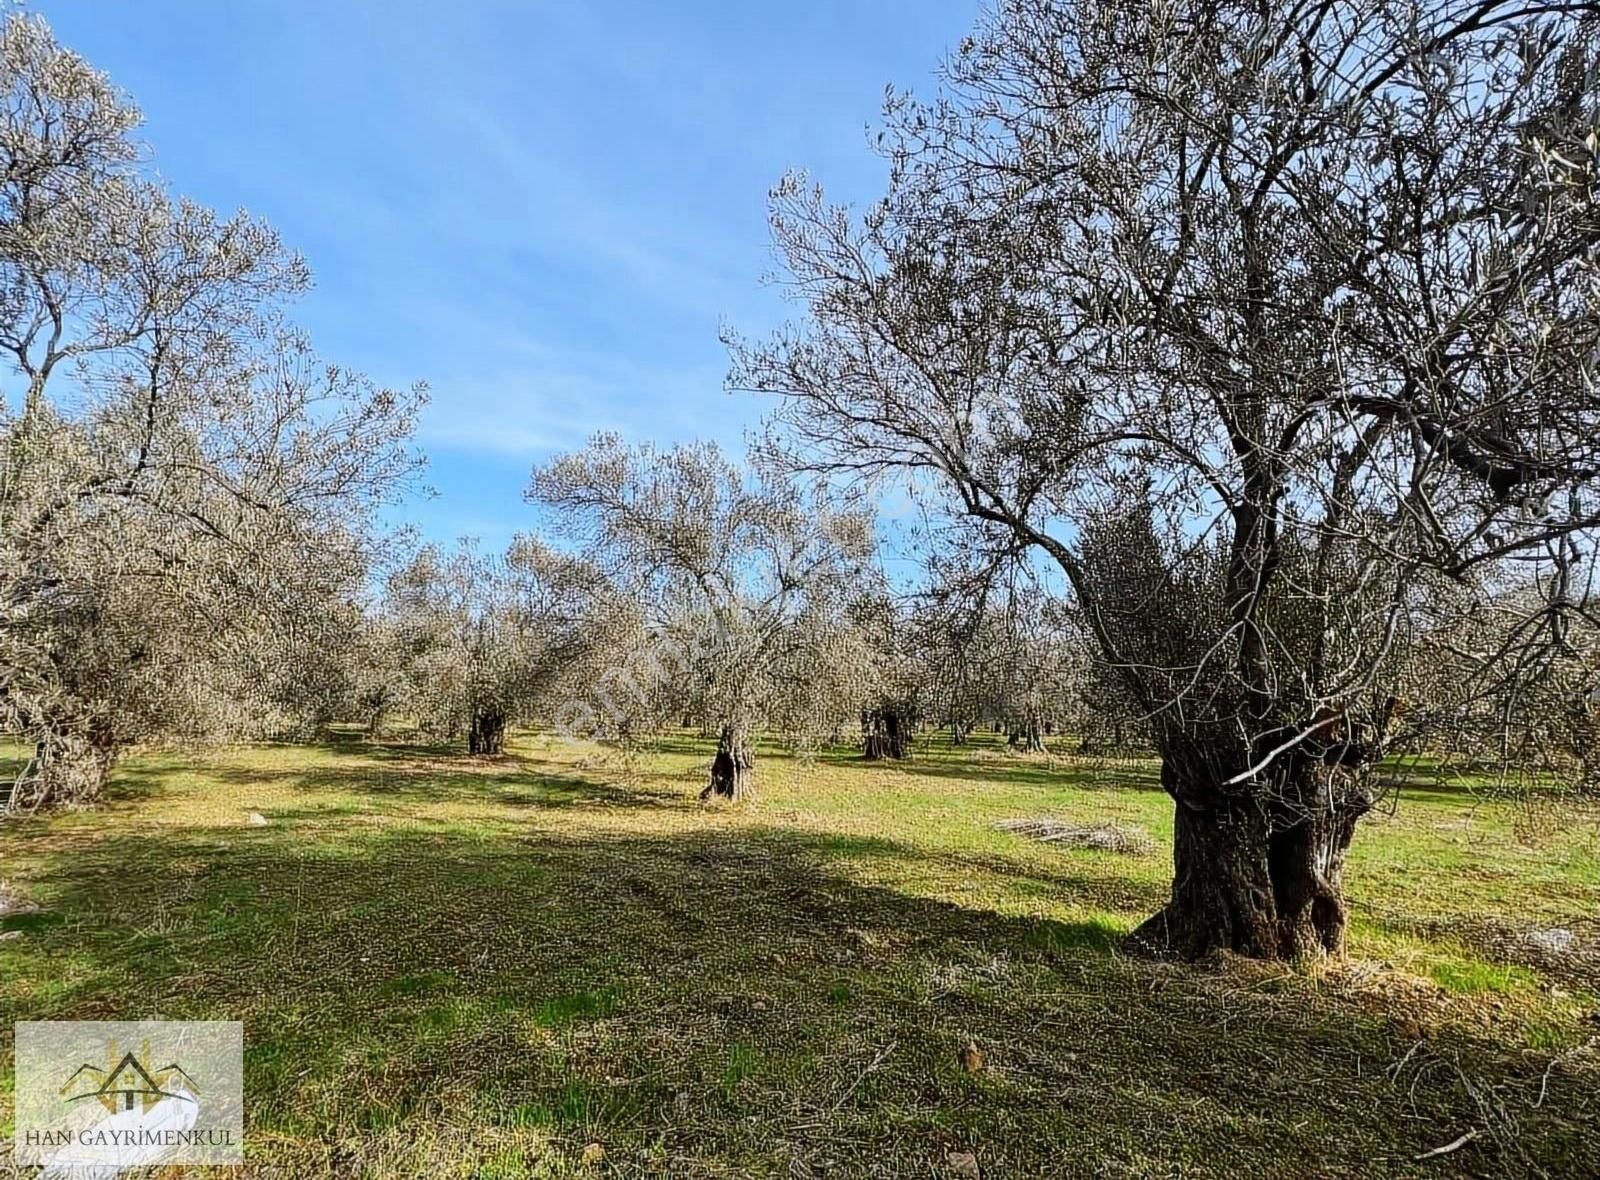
1101,837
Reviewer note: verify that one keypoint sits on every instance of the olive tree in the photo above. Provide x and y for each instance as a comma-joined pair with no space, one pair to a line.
1500,689
989,637
745,577
488,640
185,490
896,700
1250,319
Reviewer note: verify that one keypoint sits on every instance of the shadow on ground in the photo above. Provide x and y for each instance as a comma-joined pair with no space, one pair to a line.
408,774
727,1002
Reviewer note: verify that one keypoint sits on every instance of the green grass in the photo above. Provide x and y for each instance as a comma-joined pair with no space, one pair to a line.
450,968
1475,978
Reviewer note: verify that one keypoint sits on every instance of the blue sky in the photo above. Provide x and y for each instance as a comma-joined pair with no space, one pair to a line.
544,210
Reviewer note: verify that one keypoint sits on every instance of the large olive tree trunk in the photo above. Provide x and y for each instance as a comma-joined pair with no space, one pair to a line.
886,733
487,735
1260,875
733,768
65,769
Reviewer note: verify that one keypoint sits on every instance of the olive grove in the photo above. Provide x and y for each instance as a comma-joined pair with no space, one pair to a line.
1273,328
483,641
1241,357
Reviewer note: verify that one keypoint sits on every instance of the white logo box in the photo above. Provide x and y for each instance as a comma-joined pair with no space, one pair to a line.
129,1093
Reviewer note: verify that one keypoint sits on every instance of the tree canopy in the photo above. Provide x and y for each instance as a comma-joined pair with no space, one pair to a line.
747,577
1257,322
186,491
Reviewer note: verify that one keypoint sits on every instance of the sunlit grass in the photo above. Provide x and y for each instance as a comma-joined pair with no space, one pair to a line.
455,968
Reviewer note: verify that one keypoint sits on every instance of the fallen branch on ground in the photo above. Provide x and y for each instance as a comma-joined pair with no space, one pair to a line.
1454,1145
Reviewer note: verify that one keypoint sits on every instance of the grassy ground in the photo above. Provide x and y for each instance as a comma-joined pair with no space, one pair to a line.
449,968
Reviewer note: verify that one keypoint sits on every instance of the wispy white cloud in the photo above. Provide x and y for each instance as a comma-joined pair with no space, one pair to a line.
534,411
550,201
545,209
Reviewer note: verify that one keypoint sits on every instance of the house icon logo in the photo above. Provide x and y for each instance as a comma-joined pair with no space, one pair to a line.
98,1097
128,1079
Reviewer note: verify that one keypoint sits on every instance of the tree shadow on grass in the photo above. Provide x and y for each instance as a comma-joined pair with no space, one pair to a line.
1091,879
508,780
1020,770
722,1002
400,749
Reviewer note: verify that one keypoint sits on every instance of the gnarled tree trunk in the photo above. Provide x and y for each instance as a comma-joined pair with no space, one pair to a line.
1260,875
733,768
886,734
1028,735
65,769
487,736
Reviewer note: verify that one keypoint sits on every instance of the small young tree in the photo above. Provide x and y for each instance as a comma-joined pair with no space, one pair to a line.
1248,317
750,571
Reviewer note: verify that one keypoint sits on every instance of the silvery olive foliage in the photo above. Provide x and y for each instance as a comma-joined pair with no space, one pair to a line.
187,492
900,689
1257,322
1002,650
473,642
746,577
1502,690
